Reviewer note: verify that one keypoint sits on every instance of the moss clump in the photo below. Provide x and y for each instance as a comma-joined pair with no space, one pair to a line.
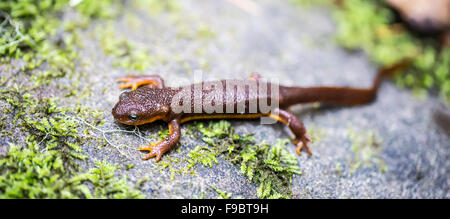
31,172
42,119
204,155
59,132
271,167
33,20
372,27
106,185
103,9
11,35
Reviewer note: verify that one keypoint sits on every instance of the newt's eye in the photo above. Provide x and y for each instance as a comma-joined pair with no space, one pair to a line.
133,117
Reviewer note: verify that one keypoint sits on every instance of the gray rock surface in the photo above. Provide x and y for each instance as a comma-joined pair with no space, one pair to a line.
296,47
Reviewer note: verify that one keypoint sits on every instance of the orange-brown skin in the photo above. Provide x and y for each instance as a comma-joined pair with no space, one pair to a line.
149,103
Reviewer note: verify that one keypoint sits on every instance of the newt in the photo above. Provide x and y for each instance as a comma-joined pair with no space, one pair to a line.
150,100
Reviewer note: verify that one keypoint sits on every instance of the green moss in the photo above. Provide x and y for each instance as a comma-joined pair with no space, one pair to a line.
106,185
45,165
193,32
371,26
41,42
366,148
222,194
172,164
32,33
156,7
11,35
57,132
129,166
33,20
204,155
127,54
31,172
99,8
163,133
271,167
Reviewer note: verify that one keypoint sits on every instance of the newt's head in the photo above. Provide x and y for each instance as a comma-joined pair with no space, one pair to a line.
141,106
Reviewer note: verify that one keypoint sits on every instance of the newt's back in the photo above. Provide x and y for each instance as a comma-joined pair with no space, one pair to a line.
228,96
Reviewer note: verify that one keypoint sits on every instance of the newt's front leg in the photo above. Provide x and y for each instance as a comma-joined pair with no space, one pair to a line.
158,149
134,81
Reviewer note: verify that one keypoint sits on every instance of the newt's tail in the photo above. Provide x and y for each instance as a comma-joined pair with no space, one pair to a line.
339,95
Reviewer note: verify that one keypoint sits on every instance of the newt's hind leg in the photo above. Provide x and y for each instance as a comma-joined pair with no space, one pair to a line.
135,81
302,140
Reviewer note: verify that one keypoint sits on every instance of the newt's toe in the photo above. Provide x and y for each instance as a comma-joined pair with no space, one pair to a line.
129,85
123,80
147,147
154,151
133,81
149,155
304,142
